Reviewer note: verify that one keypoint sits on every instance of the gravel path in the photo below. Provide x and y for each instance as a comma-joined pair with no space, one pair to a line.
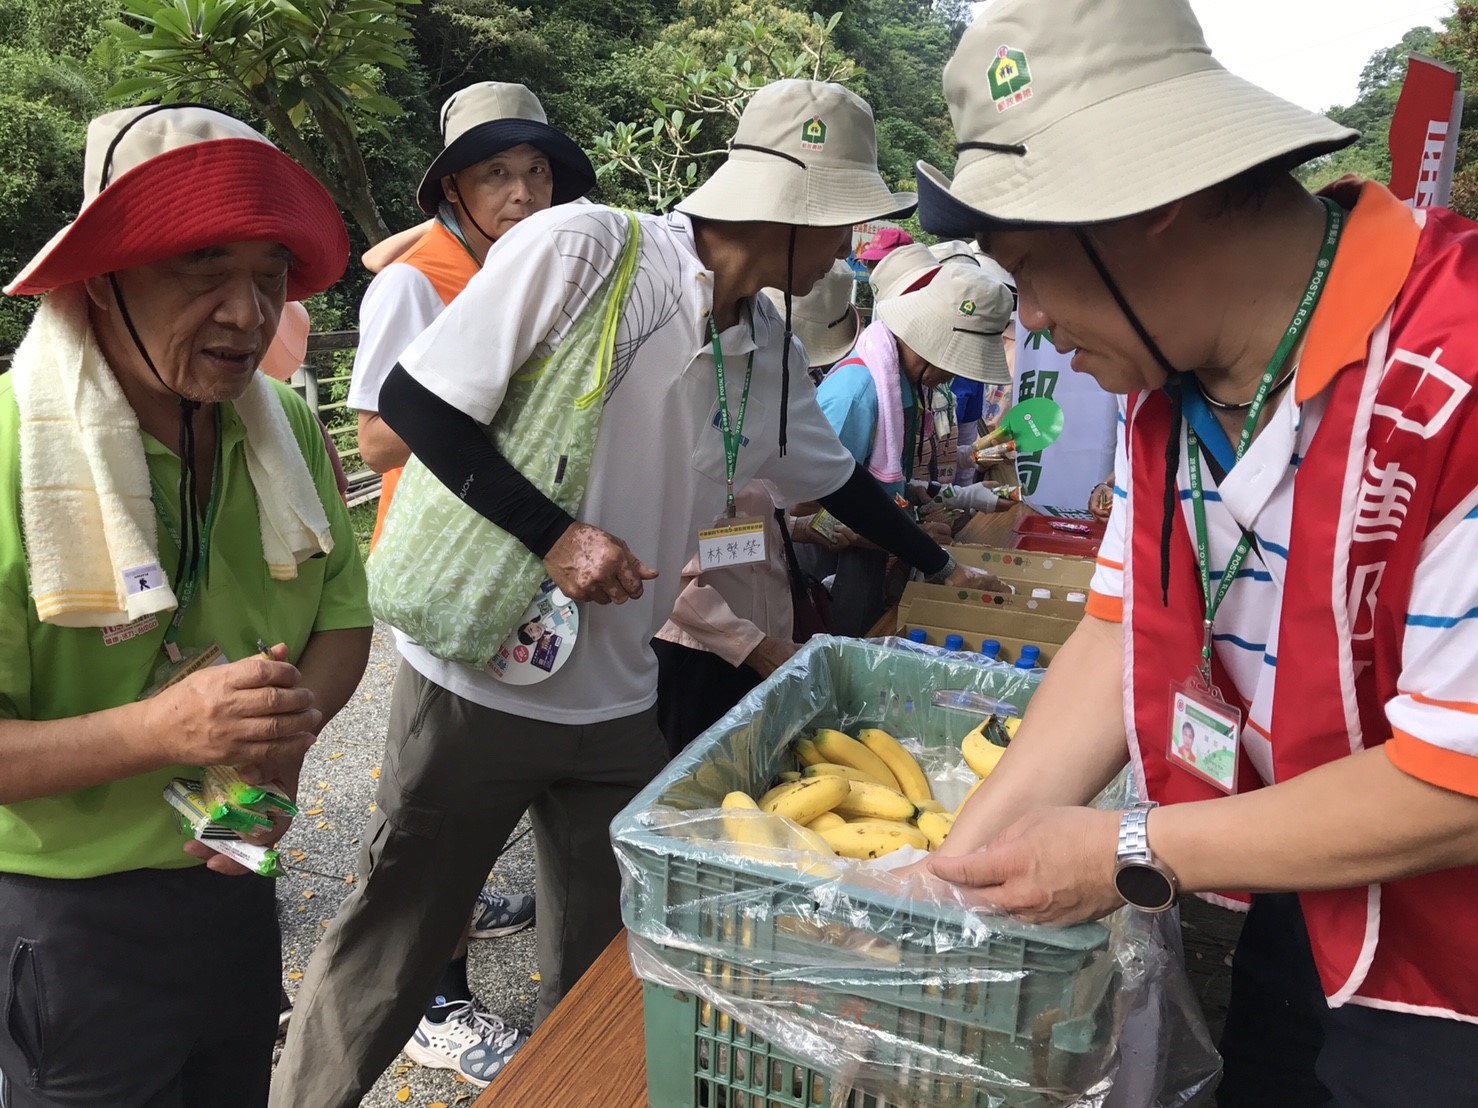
338,788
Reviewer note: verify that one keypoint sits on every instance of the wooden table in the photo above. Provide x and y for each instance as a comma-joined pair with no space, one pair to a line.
590,1052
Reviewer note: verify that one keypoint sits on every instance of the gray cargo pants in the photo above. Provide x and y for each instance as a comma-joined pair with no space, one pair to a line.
457,777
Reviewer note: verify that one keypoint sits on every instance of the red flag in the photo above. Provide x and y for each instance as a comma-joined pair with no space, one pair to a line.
1424,133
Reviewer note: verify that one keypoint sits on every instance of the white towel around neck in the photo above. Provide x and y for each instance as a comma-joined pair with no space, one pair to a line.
91,535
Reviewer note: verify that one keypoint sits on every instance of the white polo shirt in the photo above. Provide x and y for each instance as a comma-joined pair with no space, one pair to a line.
658,472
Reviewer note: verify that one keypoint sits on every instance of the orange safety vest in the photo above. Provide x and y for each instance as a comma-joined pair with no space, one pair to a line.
445,262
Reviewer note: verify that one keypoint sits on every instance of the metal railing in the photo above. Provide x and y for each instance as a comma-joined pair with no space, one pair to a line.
364,483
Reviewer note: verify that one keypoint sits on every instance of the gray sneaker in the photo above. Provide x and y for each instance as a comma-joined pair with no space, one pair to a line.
495,914
470,1041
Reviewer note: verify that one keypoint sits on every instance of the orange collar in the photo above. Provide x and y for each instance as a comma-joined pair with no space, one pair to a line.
1375,256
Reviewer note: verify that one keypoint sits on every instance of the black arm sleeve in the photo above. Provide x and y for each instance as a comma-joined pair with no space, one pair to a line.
454,446
863,506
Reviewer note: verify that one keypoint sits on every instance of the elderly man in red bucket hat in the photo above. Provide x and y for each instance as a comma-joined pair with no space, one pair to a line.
166,510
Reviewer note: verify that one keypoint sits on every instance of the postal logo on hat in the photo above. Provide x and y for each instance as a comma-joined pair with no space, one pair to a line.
967,308
1010,78
813,133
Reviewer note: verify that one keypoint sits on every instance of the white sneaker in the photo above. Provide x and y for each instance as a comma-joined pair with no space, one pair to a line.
470,1041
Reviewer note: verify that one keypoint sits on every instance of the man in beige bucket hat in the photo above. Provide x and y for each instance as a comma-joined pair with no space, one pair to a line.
469,753
500,163
1289,559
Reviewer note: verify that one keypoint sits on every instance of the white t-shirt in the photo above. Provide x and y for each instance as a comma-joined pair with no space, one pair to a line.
658,471
399,304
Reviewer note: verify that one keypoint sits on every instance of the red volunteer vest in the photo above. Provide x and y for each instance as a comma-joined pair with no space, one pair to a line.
1398,442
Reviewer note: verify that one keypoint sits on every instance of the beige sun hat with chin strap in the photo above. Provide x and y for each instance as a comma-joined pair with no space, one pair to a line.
824,319
805,153
955,322
1071,112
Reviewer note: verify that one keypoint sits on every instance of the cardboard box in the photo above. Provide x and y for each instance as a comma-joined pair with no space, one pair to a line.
1060,573
1014,621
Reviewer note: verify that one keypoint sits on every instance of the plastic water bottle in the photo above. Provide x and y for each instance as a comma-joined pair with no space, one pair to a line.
991,648
918,635
1029,658
954,642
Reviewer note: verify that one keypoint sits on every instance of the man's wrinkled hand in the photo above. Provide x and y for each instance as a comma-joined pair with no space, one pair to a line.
1054,865
244,712
589,564
968,577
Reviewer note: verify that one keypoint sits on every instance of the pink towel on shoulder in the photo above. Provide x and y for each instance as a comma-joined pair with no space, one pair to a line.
878,349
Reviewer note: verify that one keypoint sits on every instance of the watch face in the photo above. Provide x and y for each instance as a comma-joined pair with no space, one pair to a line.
1144,887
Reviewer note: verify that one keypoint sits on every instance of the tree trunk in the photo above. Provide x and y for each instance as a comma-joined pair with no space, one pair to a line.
360,203
349,160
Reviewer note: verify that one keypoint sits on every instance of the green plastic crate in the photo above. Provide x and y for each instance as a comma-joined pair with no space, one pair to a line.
734,921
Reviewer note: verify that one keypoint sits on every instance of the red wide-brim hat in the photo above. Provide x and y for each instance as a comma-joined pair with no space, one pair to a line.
192,197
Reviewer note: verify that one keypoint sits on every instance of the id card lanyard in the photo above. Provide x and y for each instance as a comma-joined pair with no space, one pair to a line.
733,433
1334,223
190,585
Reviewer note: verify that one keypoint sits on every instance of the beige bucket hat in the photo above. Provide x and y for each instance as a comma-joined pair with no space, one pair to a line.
490,117
824,319
1080,111
955,250
902,271
955,322
805,153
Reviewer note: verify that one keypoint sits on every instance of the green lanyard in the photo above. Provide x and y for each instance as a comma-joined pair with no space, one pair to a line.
734,435
185,594
1334,223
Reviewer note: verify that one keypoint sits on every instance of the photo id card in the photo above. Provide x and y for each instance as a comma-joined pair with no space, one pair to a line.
1204,734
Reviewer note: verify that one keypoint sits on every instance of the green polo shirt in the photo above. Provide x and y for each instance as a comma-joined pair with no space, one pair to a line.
49,672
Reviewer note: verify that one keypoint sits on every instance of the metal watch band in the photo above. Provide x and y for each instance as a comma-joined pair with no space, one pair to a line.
942,575
1134,843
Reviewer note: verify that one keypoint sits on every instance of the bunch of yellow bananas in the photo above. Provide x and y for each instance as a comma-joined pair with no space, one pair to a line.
860,797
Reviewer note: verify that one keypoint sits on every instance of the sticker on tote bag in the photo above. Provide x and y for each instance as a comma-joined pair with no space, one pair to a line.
542,641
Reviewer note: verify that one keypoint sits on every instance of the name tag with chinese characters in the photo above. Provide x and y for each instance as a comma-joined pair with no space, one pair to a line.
732,542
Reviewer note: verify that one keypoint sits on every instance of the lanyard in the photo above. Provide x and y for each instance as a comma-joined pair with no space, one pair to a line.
734,435
190,585
1334,223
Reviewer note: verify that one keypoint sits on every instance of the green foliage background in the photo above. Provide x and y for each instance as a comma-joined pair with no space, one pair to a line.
595,66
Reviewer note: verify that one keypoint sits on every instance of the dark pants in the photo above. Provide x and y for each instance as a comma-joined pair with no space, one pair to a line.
458,777
1284,1047
146,989
858,595
694,689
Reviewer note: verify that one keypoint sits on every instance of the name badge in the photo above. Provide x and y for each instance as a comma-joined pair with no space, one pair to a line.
733,542
1204,734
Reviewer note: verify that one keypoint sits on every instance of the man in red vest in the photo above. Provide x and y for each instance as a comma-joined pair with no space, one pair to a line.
1288,578
501,162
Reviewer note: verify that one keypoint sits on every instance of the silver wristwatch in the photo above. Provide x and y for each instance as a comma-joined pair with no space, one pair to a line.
1141,879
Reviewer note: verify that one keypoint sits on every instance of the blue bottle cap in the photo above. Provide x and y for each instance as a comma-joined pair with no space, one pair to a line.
991,648
918,634
954,642
1026,663
1032,652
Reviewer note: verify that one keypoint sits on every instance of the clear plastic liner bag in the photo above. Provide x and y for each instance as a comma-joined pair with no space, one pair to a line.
873,980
